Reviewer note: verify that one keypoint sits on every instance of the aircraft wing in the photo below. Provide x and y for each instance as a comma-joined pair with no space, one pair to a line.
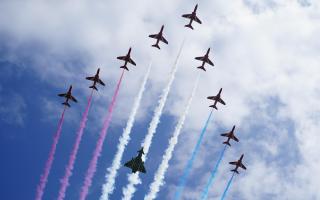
200,58
129,164
102,83
209,62
221,101
131,61
62,95
189,16
141,168
91,78
235,138
197,20
73,99
122,57
233,163
225,134
155,36
163,40
243,167
212,97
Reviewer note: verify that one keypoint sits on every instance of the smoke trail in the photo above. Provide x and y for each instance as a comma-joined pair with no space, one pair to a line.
111,175
73,155
187,170
47,168
227,188
133,178
213,173
96,154
159,176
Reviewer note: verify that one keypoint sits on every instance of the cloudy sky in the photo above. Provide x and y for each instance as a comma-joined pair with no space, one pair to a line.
266,55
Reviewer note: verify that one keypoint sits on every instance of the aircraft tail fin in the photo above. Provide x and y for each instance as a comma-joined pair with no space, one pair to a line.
236,171
66,104
214,106
124,67
94,87
227,143
156,45
189,26
201,67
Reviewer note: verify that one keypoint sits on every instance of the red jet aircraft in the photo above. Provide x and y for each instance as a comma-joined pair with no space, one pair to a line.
127,59
68,96
230,135
96,79
238,164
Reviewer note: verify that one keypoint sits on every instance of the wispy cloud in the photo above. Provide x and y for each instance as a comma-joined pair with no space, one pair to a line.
12,109
257,55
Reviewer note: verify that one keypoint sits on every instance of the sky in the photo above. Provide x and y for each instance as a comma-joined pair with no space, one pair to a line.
266,60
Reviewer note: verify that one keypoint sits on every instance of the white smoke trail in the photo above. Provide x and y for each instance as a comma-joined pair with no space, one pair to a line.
134,179
111,175
159,176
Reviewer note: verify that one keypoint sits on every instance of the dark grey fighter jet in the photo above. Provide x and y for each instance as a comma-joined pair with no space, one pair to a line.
127,59
216,99
136,164
238,164
159,37
192,17
205,59
96,79
68,96
230,135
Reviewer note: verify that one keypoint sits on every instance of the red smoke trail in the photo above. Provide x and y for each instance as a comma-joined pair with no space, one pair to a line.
47,168
73,155
96,154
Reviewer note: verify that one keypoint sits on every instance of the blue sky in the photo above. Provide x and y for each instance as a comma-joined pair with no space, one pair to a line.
266,59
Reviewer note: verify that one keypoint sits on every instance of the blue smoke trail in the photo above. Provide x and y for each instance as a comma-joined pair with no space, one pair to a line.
213,173
187,170
227,188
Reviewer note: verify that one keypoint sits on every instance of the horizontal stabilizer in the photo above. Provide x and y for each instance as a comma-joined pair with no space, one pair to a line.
227,143
124,67
156,45
66,104
94,87
235,171
189,26
214,106
201,67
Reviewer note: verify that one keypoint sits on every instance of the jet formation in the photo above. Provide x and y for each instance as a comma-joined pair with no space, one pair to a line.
68,96
136,164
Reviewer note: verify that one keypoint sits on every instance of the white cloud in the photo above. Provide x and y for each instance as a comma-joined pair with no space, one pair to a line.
272,53
13,109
